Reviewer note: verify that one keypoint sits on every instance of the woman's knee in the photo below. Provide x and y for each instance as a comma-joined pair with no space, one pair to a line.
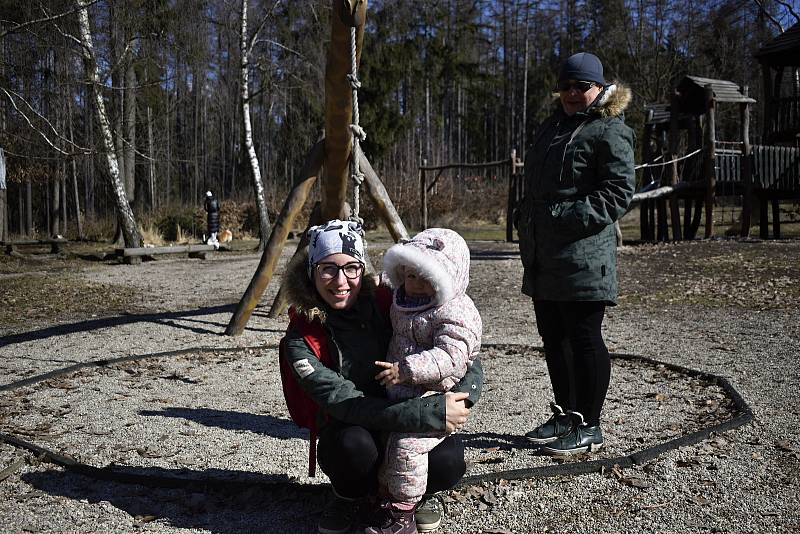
350,448
446,464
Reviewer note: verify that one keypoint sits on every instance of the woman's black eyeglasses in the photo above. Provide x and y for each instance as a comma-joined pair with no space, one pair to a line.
329,271
581,87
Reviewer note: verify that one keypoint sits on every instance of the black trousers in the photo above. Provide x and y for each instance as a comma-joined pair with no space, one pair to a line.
351,455
577,358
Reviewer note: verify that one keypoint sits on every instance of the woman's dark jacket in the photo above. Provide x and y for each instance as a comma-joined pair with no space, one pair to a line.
212,207
357,337
579,179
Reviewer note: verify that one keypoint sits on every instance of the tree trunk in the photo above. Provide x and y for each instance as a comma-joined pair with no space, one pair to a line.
3,199
74,168
258,185
130,229
129,148
28,209
151,164
55,204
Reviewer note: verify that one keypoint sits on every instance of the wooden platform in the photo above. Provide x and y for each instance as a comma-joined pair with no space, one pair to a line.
14,246
135,255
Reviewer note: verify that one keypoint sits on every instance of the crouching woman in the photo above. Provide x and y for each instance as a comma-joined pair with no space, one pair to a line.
328,289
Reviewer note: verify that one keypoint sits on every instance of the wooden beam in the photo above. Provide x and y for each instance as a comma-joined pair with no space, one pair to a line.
383,203
339,110
674,208
710,160
747,168
150,251
280,303
280,231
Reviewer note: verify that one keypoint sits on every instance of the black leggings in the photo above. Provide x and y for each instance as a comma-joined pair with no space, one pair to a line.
577,358
351,455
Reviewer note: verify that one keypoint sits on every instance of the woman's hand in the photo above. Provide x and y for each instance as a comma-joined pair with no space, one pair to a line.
390,374
456,411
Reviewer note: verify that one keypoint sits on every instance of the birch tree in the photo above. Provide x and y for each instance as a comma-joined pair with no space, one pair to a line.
246,46
127,221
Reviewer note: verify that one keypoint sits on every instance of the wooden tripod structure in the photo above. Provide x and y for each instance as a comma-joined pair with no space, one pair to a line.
332,154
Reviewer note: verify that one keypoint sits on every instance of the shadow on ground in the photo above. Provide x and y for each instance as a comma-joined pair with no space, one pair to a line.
167,319
219,508
229,420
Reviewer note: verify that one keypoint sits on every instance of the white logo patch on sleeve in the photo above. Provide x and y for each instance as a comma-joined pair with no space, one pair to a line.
303,367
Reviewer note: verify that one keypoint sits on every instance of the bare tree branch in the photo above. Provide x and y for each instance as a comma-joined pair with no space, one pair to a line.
790,9
772,19
46,18
265,18
43,135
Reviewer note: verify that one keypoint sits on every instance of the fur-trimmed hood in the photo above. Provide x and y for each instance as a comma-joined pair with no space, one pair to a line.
439,255
611,102
302,295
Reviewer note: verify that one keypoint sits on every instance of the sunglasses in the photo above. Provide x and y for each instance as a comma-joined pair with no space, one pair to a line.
581,87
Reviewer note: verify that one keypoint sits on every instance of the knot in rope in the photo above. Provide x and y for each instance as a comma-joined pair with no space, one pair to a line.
354,82
358,132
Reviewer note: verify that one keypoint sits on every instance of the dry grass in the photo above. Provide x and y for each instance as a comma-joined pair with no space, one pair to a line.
151,236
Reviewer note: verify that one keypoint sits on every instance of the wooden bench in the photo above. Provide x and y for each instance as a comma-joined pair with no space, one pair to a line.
14,246
135,255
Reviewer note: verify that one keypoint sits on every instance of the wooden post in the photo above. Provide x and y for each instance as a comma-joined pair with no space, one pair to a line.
710,160
512,200
674,208
747,168
339,106
280,231
647,177
280,303
776,218
3,212
3,199
768,99
662,228
383,204
423,197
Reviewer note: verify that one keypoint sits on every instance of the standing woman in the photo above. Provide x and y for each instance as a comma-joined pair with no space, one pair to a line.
331,295
580,179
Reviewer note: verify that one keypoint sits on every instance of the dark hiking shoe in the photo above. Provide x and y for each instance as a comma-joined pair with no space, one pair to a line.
390,520
429,513
557,426
338,516
581,438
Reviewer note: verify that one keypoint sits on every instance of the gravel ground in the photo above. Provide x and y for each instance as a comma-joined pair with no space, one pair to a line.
724,307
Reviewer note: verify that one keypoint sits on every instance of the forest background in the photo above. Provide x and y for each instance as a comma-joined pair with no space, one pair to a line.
443,81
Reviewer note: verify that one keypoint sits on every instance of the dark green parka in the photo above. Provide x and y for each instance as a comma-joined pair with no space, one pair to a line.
579,179
357,337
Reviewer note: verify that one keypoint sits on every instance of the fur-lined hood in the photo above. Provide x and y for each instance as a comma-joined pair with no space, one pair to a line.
439,255
302,295
612,102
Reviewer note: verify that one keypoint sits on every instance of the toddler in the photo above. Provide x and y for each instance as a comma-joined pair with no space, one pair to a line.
437,332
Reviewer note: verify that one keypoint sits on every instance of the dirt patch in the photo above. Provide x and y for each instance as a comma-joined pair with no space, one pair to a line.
743,274
58,296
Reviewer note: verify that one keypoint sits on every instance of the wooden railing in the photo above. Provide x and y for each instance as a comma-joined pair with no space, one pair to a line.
784,115
774,167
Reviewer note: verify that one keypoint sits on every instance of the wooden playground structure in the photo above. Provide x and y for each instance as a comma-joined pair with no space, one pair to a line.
711,167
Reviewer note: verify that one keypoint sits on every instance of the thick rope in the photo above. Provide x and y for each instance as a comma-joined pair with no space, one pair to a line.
359,134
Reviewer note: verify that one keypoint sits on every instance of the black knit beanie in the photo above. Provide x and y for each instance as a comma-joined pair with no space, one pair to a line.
582,66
